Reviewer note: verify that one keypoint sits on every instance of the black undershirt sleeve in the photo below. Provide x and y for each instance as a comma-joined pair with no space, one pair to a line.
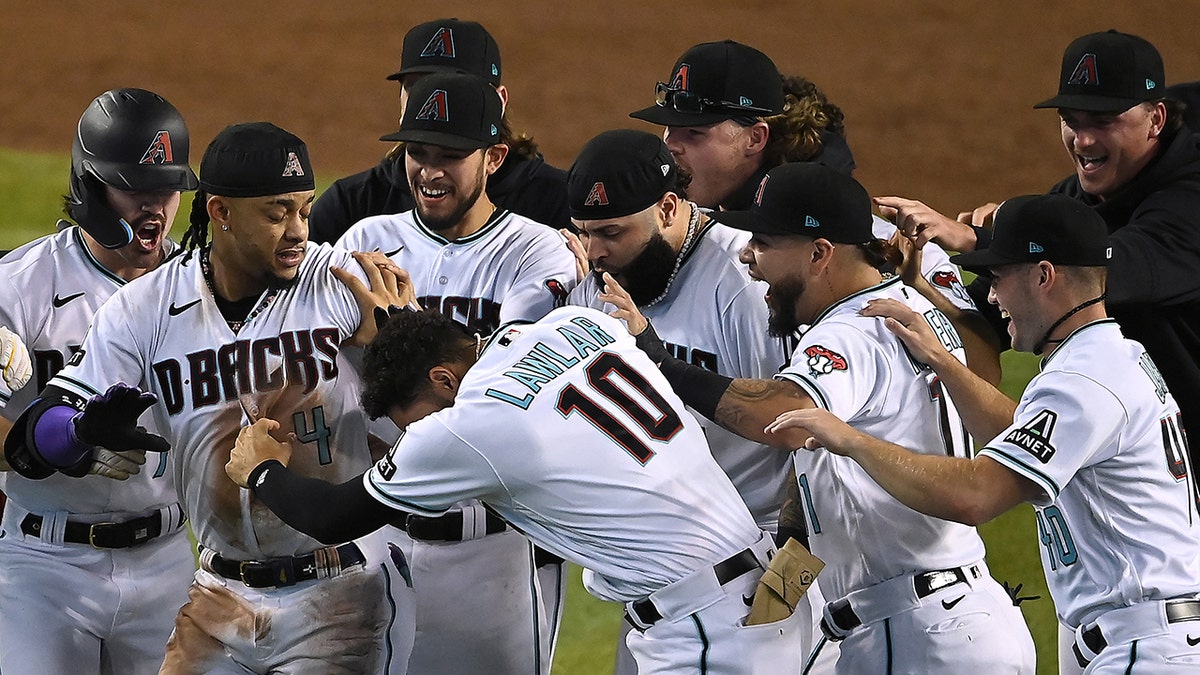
329,513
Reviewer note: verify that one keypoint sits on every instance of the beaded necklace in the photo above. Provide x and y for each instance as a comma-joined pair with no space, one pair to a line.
235,326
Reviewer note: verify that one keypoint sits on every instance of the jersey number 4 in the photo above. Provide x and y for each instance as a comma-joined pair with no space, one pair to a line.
618,382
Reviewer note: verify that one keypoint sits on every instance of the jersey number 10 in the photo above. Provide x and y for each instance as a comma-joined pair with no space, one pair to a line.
660,422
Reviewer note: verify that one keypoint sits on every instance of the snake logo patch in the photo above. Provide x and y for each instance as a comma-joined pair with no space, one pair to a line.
159,151
293,167
598,195
950,281
441,44
822,361
1086,71
436,107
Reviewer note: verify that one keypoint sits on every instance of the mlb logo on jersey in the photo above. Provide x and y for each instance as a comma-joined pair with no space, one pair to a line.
292,167
441,44
1085,71
159,151
436,107
823,361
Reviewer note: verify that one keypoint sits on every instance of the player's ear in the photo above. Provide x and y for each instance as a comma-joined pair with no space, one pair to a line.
822,252
218,209
493,157
444,382
756,137
668,206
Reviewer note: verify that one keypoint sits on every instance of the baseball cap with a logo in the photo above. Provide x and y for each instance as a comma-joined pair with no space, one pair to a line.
713,82
806,199
255,159
447,45
1108,73
1032,228
617,173
453,110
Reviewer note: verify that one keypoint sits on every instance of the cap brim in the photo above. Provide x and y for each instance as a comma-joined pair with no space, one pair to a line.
439,138
979,261
148,177
1089,103
669,117
748,221
422,70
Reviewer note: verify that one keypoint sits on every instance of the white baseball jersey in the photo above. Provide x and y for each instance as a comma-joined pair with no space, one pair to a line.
854,367
511,269
49,290
569,432
714,316
1101,436
165,334
935,266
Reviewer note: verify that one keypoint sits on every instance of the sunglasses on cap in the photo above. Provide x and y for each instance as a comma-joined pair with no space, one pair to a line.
685,101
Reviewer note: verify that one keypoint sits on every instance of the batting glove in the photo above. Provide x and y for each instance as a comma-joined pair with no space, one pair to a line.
15,365
109,422
116,465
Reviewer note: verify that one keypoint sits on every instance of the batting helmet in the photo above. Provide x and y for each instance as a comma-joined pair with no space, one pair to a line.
132,140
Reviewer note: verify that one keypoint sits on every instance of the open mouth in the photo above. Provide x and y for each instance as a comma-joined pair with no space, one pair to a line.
290,257
432,193
1091,163
148,236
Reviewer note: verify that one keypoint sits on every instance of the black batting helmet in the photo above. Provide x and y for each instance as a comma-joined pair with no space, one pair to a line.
132,140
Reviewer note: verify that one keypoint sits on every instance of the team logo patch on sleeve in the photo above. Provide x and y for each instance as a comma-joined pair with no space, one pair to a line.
822,361
386,467
558,290
1034,437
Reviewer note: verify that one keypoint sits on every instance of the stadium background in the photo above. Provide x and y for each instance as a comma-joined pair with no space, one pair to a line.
937,97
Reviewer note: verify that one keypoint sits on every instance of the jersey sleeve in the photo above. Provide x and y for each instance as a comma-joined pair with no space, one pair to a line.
543,280
840,368
944,276
1058,430
343,305
112,351
430,469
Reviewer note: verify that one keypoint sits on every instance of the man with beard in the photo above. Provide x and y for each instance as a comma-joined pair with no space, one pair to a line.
477,610
680,267
248,325
105,593
907,590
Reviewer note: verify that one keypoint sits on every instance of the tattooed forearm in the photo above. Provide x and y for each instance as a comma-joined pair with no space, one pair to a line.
750,405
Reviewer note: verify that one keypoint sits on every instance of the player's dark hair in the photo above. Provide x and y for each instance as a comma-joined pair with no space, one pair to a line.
1176,115
396,364
796,132
196,236
881,254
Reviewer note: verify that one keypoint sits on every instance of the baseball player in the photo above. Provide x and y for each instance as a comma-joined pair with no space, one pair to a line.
95,566
564,428
907,592
1095,444
523,184
481,265
248,325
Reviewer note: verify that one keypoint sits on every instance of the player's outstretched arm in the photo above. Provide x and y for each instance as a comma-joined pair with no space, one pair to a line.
743,406
923,224
969,491
978,337
329,513
985,410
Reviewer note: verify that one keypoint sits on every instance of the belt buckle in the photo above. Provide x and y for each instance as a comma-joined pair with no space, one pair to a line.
92,534
242,565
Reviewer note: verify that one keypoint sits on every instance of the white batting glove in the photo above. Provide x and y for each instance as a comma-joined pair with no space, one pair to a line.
14,360
117,465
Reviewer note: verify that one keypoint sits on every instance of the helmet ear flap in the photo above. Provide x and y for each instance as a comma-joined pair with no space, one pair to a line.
91,211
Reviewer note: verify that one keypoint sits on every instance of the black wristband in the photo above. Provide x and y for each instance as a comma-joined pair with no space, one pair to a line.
699,388
256,474
649,342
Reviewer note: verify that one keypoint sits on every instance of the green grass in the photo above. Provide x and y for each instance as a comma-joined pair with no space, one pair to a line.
31,189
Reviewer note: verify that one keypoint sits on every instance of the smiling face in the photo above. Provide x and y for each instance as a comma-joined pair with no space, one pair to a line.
781,261
269,237
1012,290
149,215
1109,149
446,183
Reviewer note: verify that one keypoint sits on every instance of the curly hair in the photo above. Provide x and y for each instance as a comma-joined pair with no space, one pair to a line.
396,364
795,133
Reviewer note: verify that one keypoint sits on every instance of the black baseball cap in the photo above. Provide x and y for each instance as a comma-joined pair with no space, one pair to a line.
619,172
255,159
453,110
447,45
1108,73
1033,228
806,199
713,82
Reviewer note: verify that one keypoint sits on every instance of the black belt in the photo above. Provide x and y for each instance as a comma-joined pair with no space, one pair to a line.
924,584
1178,611
281,572
102,535
446,527
726,571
